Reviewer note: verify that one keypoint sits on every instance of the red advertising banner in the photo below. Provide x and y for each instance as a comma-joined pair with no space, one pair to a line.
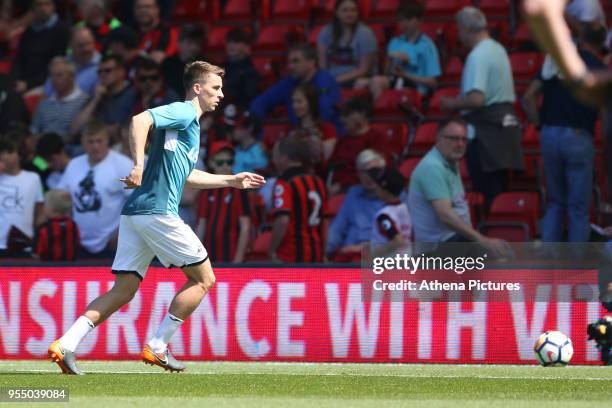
287,314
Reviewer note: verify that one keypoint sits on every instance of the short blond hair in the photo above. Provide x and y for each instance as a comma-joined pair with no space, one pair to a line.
197,71
58,202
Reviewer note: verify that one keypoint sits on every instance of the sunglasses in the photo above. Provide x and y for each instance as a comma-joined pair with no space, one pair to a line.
228,162
145,78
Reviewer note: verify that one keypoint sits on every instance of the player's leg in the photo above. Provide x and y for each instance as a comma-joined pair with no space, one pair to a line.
180,246
130,265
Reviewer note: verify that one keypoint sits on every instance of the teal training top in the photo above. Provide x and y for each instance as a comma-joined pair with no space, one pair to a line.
172,156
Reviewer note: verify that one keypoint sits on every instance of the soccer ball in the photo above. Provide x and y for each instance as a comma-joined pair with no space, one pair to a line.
553,349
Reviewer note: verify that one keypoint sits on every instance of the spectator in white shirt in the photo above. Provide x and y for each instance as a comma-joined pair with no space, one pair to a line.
98,196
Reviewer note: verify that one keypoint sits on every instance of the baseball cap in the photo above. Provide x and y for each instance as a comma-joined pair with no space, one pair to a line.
389,179
216,147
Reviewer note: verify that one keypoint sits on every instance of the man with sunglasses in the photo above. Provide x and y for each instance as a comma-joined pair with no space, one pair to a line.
150,88
436,197
150,226
113,101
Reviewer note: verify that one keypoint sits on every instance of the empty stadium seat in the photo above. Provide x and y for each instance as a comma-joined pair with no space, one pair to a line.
408,165
334,203
443,34
516,207
508,231
276,37
388,103
395,136
313,34
32,100
494,8
216,40
195,11
348,93
238,11
424,138
289,10
272,132
383,9
268,68
525,65
444,8
381,36
476,203
434,103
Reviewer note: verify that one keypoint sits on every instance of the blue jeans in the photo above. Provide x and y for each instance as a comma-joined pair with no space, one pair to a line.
568,156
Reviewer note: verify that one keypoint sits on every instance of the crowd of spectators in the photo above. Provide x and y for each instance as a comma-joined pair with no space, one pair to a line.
90,65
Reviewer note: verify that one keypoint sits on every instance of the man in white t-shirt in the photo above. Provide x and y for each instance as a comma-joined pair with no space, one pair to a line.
97,194
21,200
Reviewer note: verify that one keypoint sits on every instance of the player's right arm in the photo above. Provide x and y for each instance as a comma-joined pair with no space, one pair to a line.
139,129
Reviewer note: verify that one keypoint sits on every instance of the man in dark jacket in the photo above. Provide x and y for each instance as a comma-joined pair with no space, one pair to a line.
241,79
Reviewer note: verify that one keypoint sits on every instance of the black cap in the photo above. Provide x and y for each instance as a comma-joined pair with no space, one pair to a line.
389,179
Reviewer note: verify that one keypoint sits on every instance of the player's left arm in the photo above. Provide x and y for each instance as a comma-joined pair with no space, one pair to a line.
203,180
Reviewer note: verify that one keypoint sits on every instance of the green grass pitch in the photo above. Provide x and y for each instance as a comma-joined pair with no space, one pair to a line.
222,384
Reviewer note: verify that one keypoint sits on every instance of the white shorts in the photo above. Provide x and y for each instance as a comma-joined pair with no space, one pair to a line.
141,237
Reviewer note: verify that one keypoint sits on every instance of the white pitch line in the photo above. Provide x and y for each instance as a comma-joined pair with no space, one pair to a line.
334,375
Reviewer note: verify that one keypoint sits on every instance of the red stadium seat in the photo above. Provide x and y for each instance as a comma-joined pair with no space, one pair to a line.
348,93
259,251
443,34
508,231
598,137
272,132
32,100
395,136
268,68
434,103
444,8
516,207
453,71
531,140
5,67
381,37
216,38
424,138
285,10
407,167
388,102
494,8
238,11
195,11
525,65
465,175
334,203
276,37
383,9
314,33
476,203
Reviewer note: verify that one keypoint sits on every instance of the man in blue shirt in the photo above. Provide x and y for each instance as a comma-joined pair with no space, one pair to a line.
302,69
150,225
412,57
352,227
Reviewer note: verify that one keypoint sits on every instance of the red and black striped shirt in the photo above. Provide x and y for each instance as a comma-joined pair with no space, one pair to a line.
222,209
57,240
161,38
304,197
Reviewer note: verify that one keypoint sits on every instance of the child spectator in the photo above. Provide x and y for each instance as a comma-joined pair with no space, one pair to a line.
21,199
58,238
249,153
412,57
347,47
241,80
392,227
224,214
51,148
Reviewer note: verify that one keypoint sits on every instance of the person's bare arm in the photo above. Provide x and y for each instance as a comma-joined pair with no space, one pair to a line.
279,230
365,64
88,111
202,180
473,100
39,214
444,211
530,99
243,238
139,130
